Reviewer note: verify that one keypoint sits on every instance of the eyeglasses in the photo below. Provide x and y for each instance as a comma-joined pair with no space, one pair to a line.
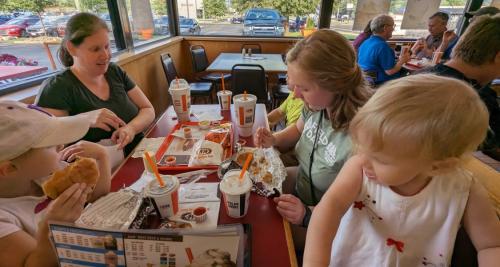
392,26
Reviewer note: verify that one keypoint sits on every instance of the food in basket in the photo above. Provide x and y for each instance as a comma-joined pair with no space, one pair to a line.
267,178
242,157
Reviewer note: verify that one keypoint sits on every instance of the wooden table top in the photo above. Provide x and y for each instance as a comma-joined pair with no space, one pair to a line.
272,63
272,243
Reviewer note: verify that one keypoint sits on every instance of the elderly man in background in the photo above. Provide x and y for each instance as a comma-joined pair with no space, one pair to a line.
439,39
375,56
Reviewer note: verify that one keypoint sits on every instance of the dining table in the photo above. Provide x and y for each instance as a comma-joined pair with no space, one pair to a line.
272,63
271,239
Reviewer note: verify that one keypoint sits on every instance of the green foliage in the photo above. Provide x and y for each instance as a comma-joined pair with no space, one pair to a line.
454,2
94,6
37,6
214,8
241,6
309,23
159,7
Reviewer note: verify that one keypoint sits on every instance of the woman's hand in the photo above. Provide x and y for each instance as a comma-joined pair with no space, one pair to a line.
123,136
263,138
83,149
290,208
105,119
68,206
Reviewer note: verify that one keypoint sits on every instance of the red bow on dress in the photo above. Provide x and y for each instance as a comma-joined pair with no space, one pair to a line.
398,244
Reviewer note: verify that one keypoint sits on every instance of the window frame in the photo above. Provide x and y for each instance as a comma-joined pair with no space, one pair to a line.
124,42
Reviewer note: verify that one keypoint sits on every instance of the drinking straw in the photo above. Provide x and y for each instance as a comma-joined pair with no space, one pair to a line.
222,81
153,167
245,95
245,166
189,254
177,82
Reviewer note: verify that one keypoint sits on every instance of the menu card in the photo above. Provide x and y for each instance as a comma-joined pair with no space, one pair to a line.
78,246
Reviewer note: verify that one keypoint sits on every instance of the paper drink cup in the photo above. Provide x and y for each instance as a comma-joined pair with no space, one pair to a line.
245,113
236,194
181,98
224,97
404,49
436,58
165,199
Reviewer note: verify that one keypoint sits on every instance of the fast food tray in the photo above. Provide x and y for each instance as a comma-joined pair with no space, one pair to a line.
228,151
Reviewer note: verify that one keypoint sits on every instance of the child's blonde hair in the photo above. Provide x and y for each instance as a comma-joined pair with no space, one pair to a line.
442,117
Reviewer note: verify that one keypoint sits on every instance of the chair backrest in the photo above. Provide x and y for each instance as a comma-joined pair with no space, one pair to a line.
168,67
250,78
370,77
256,49
198,58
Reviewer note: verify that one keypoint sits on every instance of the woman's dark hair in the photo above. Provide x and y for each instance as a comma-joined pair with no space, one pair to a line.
79,27
368,29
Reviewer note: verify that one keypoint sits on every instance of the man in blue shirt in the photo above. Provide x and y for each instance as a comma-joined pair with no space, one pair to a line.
376,56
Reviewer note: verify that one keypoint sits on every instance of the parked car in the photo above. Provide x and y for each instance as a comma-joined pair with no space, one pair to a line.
161,26
17,27
61,27
263,21
189,26
5,17
50,24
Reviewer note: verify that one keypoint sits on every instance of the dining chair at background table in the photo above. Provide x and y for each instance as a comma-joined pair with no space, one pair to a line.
200,63
252,79
198,89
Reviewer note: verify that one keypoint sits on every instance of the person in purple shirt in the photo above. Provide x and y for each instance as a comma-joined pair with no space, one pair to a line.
376,56
367,32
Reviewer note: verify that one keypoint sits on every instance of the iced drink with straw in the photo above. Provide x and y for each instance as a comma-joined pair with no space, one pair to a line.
244,105
181,98
236,193
165,198
224,96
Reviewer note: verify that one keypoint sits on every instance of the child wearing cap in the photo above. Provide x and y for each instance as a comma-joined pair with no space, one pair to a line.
31,143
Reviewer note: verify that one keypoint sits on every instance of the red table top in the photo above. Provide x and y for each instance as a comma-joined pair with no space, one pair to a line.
272,243
16,72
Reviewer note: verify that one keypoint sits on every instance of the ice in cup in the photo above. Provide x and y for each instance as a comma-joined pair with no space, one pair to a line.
236,193
224,97
181,98
436,57
244,105
165,199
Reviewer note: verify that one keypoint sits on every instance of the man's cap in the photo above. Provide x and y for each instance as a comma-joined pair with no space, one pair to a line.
487,10
23,127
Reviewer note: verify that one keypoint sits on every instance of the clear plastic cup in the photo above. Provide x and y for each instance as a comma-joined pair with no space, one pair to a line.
245,113
181,98
236,193
224,97
166,198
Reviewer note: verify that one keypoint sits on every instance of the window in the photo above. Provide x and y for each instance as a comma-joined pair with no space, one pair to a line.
344,15
28,47
278,18
148,20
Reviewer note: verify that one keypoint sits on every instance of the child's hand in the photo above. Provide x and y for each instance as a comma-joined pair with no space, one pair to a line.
290,208
105,119
263,138
68,206
123,136
83,149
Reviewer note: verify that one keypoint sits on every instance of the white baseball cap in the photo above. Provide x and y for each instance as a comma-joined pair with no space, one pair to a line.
23,127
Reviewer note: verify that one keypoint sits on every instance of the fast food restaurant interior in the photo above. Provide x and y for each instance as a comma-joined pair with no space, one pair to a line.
250,133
